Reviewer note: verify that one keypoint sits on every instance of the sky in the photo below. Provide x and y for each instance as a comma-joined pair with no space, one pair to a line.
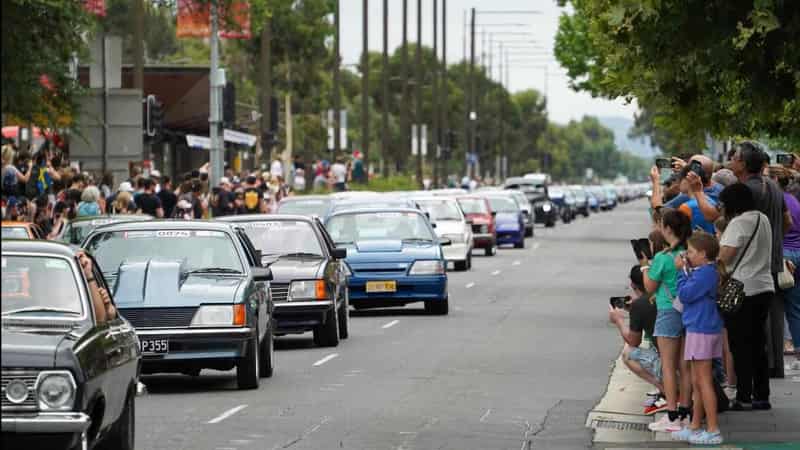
564,104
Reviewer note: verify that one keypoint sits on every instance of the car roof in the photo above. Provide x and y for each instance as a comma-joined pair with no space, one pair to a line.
298,198
16,223
265,217
39,246
119,217
168,224
375,210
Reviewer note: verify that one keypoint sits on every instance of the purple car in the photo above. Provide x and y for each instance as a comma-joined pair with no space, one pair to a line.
509,220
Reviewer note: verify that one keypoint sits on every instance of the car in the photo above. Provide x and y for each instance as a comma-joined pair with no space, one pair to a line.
20,230
450,223
478,210
306,205
581,200
393,258
602,198
196,293
565,202
594,204
527,210
78,228
309,281
377,201
69,374
611,195
535,189
509,221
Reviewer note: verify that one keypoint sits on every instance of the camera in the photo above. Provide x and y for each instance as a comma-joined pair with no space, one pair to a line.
785,159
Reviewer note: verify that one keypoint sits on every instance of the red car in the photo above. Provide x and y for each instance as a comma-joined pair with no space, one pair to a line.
479,214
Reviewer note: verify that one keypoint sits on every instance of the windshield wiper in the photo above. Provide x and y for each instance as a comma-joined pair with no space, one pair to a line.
344,242
42,309
302,255
214,270
417,240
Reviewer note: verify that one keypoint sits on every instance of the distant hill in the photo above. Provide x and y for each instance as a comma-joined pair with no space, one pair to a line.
620,126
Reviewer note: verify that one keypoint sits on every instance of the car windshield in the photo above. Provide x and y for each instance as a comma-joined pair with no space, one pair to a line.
503,205
39,284
556,193
520,198
441,209
354,227
283,237
310,207
197,249
473,206
15,233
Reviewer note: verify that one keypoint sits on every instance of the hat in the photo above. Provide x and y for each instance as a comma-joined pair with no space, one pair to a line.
251,179
125,186
224,180
155,174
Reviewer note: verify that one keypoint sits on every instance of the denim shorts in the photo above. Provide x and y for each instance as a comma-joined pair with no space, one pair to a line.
648,358
668,323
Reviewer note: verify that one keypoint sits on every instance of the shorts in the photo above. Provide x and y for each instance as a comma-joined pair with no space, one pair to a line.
648,358
702,347
668,323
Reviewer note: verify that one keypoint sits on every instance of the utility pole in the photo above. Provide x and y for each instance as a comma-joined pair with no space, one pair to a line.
404,129
138,44
435,96
216,151
266,91
444,122
472,113
419,92
385,82
337,113
365,89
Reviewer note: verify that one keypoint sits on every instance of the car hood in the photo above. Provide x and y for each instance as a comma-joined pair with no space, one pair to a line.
449,227
30,349
390,251
506,217
164,283
285,269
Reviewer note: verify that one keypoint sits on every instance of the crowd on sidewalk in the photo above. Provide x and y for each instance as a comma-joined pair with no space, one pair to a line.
714,291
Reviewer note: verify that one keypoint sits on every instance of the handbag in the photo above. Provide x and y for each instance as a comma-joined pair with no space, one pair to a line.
730,294
785,277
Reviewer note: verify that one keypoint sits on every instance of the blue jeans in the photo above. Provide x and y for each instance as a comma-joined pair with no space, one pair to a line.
791,298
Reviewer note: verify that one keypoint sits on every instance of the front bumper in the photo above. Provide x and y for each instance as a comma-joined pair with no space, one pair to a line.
510,236
47,423
487,240
456,252
300,316
187,344
410,288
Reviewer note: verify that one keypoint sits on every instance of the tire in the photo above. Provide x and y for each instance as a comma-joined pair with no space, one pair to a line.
327,334
550,224
528,233
123,432
437,307
460,266
343,316
490,251
520,244
247,367
469,260
267,359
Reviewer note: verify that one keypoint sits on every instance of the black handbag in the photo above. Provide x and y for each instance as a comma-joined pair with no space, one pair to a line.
730,294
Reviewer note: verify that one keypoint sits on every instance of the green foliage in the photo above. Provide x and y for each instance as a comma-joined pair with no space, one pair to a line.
381,184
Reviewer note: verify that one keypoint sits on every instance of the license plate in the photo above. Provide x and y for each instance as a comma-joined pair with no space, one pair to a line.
158,346
381,286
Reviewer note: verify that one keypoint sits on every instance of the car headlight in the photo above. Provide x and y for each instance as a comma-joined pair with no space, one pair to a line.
432,267
17,391
219,316
483,229
308,290
455,238
546,207
56,390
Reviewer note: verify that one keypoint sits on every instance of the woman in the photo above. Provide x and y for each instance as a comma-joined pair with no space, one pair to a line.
746,248
11,176
122,203
89,205
660,278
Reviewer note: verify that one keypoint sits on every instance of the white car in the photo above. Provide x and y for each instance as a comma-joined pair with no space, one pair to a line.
449,223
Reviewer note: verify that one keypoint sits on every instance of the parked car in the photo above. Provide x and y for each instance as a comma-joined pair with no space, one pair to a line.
450,223
78,228
527,210
565,202
69,376
594,204
479,212
602,197
20,230
306,205
309,280
535,189
393,257
581,200
509,221
196,293
611,195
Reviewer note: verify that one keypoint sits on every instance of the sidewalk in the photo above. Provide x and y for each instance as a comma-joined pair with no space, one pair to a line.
618,421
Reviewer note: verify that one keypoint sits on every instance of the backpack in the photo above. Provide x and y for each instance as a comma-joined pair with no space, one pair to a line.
10,181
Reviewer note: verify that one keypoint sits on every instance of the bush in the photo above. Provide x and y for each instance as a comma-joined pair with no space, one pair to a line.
381,184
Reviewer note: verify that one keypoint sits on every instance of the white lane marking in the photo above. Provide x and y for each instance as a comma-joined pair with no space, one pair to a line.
240,441
496,272
227,414
325,359
390,324
486,414
516,263
469,285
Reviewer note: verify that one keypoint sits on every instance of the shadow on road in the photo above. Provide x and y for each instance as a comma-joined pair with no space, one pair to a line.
298,342
207,381
385,312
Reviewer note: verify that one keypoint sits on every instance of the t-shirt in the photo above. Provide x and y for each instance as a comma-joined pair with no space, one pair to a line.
712,192
643,316
252,200
148,203
663,271
168,201
339,172
755,270
769,200
358,170
791,240
692,210
276,168
225,204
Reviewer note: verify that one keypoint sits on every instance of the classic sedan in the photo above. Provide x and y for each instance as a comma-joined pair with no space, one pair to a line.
309,282
393,258
78,228
21,230
70,363
478,211
306,205
449,222
509,220
196,293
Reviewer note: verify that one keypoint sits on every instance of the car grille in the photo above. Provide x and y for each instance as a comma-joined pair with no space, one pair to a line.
159,317
29,378
279,292
480,229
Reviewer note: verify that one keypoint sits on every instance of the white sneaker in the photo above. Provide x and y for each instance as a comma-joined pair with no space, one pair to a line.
664,425
795,365
730,392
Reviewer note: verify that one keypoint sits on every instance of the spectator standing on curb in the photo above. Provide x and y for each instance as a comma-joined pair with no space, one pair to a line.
167,196
88,205
148,202
339,174
11,176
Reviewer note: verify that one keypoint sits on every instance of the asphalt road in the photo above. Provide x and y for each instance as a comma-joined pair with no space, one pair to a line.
523,355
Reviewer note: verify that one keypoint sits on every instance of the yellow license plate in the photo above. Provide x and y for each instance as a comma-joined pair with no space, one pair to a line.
381,286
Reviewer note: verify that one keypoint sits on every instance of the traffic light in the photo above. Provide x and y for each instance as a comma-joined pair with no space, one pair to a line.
153,116
229,105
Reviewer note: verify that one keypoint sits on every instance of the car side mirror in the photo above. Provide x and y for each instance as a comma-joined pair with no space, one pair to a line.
433,224
262,274
339,253
259,255
445,242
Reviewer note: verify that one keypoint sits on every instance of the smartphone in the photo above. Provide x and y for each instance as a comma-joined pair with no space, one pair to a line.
785,159
697,168
663,163
619,302
641,248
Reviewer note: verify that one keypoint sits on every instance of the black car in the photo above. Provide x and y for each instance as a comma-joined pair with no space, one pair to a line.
196,293
544,210
69,372
309,285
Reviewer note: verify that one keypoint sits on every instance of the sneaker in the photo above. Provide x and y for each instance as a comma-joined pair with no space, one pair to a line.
730,391
664,425
651,398
706,438
685,434
762,405
659,405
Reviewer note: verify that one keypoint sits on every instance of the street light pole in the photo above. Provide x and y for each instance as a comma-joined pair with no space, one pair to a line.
471,113
444,123
337,113
419,92
216,150
404,130
385,82
435,95
365,88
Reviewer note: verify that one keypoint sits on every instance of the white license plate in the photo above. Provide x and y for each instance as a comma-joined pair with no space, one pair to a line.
158,346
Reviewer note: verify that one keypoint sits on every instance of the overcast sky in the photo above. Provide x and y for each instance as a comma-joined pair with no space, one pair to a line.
564,104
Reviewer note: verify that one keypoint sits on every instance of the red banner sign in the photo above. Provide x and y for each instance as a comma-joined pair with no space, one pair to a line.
194,20
96,7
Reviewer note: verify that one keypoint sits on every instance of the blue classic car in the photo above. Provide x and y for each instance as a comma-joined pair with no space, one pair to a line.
393,258
509,219
195,292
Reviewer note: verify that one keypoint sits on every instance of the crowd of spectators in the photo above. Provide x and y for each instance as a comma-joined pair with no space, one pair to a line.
714,223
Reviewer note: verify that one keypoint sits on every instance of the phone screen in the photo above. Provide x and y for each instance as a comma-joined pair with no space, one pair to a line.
618,302
663,163
636,251
644,247
785,159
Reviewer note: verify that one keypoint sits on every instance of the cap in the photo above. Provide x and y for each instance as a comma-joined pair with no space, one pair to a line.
251,179
155,174
224,180
125,186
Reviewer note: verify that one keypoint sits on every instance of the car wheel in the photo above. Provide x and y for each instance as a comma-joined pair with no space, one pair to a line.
247,367
550,224
327,334
528,232
267,358
437,307
344,318
520,244
123,432
469,260
491,251
460,265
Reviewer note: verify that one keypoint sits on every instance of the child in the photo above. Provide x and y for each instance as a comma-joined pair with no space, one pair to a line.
697,290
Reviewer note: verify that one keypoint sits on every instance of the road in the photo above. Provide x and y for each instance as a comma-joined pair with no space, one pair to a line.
523,355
